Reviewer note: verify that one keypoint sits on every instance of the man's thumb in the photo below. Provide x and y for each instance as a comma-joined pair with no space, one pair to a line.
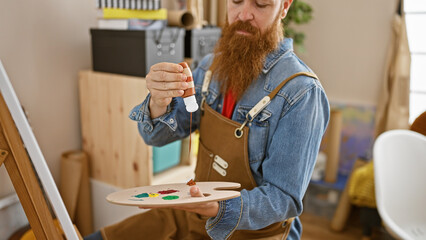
195,192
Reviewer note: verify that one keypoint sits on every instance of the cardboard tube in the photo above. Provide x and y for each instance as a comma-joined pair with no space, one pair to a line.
221,13
75,189
206,13
213,13
197,9
200,14
333,146
180,18
70,183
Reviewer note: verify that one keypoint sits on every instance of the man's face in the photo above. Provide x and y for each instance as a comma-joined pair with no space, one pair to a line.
259,13
253,31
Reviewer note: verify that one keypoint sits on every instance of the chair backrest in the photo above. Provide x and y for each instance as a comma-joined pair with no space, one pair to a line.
400,180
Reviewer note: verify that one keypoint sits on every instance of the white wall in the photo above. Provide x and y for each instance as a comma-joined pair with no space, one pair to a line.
346,45
43,45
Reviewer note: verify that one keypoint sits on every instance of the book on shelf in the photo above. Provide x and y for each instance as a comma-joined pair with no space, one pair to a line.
131,24
129,4
118,13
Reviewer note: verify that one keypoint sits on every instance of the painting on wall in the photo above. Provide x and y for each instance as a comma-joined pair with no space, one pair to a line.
357,136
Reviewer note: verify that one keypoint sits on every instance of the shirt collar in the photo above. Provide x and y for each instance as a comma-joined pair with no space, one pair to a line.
284,46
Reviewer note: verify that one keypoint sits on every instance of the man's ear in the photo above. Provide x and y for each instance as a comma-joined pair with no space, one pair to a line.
287,4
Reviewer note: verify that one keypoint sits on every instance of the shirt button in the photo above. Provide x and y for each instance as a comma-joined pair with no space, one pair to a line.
220,105
171,120
133,114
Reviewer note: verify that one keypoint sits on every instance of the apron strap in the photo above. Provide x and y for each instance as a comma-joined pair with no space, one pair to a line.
205,88
287,227
267,99
275,91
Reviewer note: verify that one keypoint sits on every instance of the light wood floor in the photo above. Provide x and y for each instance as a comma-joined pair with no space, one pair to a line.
318,228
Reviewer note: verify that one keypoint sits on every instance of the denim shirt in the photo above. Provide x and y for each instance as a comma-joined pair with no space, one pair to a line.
283,144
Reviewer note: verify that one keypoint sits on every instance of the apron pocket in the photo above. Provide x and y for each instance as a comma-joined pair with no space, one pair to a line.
204,163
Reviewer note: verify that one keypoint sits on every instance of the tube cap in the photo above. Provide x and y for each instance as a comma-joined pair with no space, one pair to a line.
191,103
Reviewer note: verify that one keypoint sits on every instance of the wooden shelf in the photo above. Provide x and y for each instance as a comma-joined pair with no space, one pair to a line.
118,154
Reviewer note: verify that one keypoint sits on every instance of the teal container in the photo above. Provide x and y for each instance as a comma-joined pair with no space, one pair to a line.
166,156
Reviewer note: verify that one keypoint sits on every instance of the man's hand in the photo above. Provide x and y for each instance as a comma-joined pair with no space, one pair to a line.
164,81
209,209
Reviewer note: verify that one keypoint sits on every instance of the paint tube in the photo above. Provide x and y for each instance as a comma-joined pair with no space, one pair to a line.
189,94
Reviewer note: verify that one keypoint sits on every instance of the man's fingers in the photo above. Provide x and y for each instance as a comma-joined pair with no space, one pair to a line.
167,76
166,94
168,67
163,86
193,206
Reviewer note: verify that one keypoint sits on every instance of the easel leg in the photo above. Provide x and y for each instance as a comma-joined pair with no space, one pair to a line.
23,178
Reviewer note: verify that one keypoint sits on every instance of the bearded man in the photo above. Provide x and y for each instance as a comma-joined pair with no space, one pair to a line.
262,113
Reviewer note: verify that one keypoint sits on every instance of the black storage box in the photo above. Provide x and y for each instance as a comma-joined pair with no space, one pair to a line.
200,42
132,52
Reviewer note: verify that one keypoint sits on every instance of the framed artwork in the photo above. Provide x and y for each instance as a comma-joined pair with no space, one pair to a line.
357,136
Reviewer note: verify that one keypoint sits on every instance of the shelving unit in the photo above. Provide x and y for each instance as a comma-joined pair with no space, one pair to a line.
118,154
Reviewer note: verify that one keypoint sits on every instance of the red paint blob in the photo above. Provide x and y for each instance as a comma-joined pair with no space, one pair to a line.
191,182
167,191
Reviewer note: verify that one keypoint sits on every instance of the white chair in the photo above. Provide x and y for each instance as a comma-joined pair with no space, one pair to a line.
400,182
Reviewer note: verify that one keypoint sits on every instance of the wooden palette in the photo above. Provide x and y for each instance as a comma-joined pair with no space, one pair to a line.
166,195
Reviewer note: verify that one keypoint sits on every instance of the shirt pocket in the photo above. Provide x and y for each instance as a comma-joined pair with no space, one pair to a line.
211,97
258,133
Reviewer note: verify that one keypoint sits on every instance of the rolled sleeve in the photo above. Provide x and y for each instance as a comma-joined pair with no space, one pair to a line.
141,114
227,219
154,129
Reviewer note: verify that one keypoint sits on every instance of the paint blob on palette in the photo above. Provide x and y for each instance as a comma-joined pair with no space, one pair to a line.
139,197
173,194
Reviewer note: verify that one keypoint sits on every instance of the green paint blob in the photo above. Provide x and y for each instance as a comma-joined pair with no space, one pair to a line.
142,195
171,197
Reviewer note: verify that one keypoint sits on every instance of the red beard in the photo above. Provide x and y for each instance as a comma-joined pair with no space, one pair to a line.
239,59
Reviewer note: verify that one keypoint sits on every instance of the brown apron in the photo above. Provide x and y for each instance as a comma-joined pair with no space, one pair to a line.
222,156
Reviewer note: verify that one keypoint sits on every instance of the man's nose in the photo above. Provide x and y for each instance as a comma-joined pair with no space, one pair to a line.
246,13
